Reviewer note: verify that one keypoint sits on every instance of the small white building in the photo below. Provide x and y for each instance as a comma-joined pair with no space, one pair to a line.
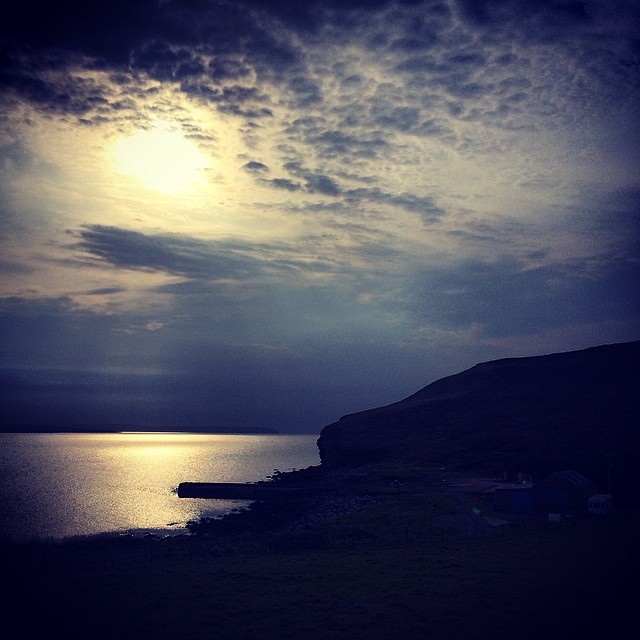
600,504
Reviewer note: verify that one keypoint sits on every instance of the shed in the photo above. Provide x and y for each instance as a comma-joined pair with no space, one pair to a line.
514,498
600,504
564,492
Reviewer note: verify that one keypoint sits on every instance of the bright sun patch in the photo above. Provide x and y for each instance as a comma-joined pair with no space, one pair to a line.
162,159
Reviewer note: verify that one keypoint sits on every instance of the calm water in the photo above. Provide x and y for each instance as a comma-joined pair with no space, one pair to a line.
56,486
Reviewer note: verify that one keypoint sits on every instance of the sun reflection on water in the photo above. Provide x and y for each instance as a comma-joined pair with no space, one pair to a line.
60,485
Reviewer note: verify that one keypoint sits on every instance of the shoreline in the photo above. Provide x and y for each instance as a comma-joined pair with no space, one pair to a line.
380,556
268,583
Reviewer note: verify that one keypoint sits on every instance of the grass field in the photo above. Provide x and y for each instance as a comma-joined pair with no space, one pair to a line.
577,580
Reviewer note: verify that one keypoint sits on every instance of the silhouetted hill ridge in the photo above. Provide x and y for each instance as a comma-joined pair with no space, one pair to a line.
538,414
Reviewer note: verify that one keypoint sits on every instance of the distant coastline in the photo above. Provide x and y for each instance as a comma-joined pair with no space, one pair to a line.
133,428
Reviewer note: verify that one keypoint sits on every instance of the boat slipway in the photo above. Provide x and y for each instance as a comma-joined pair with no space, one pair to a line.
243,490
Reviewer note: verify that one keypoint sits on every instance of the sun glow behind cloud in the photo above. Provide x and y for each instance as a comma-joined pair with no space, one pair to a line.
162,159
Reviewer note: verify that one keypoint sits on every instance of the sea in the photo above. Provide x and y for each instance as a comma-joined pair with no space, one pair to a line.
58,486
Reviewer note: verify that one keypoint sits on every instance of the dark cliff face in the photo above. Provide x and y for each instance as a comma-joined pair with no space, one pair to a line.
564,410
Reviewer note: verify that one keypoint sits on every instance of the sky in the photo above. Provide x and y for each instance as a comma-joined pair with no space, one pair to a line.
272,214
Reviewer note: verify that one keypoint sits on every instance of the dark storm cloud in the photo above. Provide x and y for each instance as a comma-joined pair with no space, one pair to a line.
106,29
195,44
220,54
255,167
318,183
425,206
489,72
56,93
198,42
328,186
329,142
504,298
104,291
537,19
223,68
334,143
237,94
282,183
190,258
178,255
113,30
307,92
165,62
314,182
401,118
437,128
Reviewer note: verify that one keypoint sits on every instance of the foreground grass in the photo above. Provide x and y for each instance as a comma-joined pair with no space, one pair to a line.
572,581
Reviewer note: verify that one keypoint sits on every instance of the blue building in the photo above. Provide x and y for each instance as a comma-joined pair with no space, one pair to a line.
562,492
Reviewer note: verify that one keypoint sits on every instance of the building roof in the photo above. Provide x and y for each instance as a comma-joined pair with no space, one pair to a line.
569,479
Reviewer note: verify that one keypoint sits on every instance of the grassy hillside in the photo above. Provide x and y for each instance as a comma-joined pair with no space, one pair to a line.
538,414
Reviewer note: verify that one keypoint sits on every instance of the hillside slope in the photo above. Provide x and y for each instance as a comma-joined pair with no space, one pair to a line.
534,414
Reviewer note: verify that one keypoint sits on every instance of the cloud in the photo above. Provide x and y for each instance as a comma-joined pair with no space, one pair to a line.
195,260
504,298
423,205
402,118
172,254
542,21
256,167
135,329
56,90
336,143
105,291
282,183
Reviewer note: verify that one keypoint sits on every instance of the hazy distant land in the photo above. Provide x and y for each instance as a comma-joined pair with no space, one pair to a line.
134,428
